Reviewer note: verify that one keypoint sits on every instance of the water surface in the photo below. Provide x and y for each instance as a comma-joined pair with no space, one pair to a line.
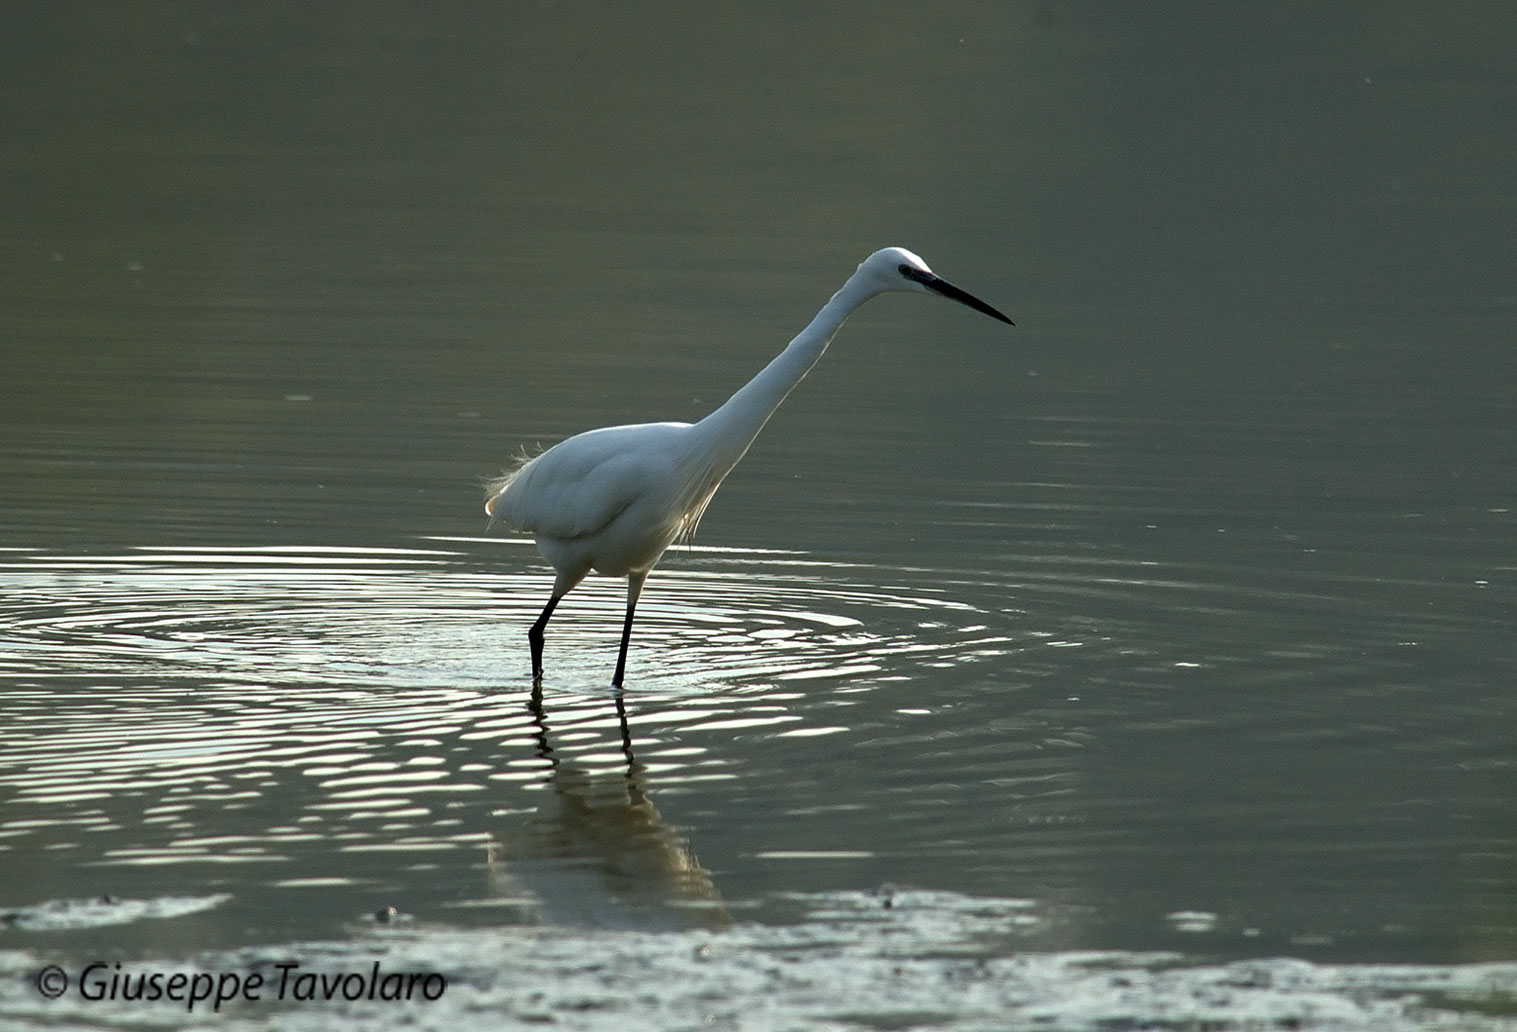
1146,665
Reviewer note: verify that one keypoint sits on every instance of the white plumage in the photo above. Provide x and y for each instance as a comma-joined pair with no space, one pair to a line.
612,500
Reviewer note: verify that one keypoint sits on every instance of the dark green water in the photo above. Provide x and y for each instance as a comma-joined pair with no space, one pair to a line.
1146,665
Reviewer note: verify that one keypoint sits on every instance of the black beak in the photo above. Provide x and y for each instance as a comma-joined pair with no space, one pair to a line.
938,285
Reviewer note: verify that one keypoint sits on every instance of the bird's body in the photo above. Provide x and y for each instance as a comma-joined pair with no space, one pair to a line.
608,500
612,500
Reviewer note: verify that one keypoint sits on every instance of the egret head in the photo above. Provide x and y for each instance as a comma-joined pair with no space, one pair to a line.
895,268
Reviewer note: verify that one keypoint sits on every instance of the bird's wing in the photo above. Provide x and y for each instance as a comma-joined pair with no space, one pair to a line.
579,486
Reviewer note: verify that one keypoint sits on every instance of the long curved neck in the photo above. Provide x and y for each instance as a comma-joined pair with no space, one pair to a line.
723,437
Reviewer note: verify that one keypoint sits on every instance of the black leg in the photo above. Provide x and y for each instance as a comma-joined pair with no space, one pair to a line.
621,719
634,588
535,638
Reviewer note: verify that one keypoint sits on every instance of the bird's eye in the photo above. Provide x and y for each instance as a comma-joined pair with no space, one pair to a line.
913,273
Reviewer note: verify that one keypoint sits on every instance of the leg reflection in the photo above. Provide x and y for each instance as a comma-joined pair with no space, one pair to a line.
597,852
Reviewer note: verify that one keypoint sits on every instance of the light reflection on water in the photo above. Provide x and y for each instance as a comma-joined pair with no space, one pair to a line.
1207,648
284,724
393,617
890,959
343,711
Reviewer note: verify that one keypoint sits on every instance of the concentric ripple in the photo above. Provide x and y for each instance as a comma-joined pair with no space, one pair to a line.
339,717
320,732
409,618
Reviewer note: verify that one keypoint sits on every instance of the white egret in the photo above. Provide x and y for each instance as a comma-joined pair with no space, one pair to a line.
612,500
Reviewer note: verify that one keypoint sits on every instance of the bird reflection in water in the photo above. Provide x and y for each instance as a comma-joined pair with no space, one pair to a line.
597,853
